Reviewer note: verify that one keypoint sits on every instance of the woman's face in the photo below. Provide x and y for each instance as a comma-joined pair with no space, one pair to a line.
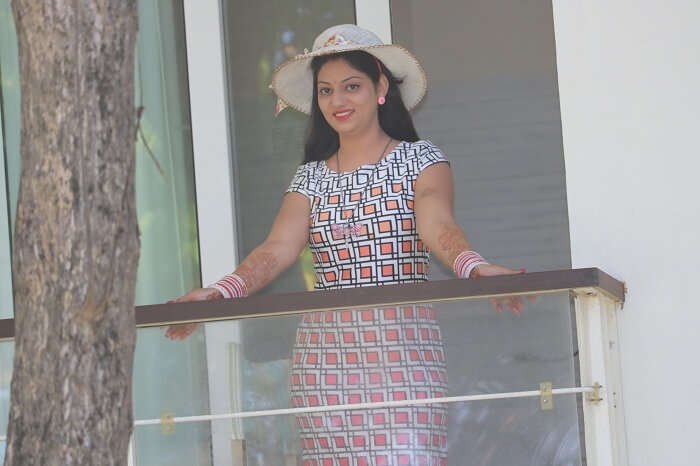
348,97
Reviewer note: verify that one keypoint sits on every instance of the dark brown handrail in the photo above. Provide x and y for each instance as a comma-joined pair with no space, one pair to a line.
443,290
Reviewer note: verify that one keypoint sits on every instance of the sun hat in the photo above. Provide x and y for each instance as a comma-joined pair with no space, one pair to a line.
292,81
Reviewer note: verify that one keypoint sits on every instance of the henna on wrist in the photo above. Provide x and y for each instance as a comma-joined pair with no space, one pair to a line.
258,269
453,242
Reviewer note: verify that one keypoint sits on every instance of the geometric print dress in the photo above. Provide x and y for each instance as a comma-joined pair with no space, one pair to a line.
363,233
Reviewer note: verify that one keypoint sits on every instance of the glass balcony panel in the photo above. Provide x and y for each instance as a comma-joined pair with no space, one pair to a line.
183,447
171,375
275,440
277,447
394,353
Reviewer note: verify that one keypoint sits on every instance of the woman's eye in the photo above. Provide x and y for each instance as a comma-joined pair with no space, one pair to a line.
324,91
353,87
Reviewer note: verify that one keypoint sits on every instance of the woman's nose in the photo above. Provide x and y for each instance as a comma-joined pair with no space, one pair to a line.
338,98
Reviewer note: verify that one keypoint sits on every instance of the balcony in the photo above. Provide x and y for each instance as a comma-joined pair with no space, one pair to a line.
539,387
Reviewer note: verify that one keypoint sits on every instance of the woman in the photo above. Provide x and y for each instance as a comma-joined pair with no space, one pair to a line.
372,200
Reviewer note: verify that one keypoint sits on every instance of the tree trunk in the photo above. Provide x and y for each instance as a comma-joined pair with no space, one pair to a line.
76,240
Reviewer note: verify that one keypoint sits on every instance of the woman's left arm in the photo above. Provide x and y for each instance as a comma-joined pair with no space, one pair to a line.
434,208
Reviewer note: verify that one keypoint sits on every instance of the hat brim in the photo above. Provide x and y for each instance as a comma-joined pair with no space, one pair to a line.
292,81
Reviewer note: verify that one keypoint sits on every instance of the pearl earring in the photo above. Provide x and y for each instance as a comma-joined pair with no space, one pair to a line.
381,100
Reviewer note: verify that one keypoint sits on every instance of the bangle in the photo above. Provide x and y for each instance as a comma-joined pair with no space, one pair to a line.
466,262
231,286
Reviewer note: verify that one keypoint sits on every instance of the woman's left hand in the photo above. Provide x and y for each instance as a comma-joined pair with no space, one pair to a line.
514,303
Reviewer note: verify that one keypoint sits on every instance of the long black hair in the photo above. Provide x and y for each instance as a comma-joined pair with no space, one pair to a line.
322,141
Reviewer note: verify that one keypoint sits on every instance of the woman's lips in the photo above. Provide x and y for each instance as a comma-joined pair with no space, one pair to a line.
343,114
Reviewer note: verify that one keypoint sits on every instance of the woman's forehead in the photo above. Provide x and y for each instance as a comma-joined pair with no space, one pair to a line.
338,70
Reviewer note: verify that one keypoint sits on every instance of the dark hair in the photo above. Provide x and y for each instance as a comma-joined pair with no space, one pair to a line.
322,141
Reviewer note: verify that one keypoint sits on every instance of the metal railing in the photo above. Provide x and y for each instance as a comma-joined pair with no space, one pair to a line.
438,291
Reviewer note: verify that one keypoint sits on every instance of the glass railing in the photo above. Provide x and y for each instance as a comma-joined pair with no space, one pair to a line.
407,374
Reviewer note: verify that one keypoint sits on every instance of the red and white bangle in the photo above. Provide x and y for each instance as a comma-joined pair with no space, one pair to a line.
467,261
231,286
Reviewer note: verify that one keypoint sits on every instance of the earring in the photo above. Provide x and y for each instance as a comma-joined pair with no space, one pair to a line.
381,100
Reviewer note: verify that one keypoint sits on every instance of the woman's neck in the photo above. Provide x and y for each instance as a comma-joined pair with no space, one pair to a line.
363,149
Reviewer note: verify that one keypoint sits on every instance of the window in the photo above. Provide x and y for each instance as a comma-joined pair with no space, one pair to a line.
169,262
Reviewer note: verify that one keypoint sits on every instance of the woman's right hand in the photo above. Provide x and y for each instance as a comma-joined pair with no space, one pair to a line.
182,331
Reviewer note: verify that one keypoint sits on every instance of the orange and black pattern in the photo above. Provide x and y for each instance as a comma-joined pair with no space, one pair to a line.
369,355
384,247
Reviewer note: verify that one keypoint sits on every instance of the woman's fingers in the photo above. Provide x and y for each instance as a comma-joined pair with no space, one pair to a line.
493,270
496,302
513,303
181,331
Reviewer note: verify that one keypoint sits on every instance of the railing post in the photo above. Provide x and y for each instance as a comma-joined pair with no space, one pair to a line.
596,327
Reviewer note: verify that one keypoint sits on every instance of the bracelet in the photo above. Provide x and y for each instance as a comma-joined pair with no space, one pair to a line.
231,286
466,262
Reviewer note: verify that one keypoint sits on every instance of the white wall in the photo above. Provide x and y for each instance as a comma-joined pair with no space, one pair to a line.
629,76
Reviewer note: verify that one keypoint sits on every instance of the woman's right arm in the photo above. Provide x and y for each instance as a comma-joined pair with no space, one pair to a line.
288,236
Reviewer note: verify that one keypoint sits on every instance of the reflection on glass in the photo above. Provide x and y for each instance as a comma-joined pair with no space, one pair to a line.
411,352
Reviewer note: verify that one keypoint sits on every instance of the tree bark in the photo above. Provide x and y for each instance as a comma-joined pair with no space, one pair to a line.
76,240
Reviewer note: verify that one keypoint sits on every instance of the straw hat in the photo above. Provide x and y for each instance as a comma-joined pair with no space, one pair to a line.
292,81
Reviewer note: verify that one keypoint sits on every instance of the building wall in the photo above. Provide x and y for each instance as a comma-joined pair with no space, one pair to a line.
630,104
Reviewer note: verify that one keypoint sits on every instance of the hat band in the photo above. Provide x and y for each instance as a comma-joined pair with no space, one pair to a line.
337,40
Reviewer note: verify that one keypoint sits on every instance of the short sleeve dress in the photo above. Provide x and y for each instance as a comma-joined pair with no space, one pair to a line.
363,233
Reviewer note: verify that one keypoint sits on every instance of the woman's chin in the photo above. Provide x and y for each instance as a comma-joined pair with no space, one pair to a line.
347,128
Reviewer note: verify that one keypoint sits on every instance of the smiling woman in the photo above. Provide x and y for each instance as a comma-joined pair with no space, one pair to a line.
369,220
